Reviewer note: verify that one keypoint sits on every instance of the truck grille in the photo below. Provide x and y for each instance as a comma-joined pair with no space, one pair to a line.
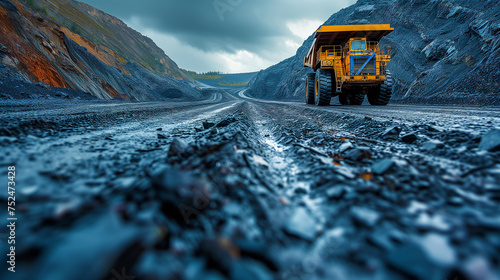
358,61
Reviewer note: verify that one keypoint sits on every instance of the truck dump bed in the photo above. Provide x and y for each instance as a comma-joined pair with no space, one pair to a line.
338,34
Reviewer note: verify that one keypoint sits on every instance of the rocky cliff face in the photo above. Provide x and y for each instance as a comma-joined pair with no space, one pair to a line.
36,45
442,49
110,32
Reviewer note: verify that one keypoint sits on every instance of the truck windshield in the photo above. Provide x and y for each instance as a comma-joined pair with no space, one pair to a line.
358,45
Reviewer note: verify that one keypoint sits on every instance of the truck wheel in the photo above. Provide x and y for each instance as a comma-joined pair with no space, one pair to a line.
323,88
310,82
343,99
382,94
355,97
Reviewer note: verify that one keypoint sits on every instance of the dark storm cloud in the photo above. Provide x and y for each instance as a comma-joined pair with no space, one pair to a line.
221,25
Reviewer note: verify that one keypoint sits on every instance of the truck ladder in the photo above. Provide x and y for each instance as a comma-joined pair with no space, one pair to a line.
338,75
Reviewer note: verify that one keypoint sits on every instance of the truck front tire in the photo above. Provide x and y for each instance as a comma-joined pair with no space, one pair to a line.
310,84
323,88
382,95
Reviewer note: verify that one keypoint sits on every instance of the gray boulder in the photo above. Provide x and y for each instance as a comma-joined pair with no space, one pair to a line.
490,141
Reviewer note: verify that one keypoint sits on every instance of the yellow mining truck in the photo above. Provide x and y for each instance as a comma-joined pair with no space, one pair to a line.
349,62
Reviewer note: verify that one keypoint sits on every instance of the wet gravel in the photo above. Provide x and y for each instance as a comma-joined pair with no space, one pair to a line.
242,189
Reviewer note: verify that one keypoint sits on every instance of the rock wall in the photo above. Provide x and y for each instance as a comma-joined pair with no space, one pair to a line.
36,48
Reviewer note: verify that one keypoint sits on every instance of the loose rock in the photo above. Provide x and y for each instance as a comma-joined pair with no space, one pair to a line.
438,249
161,136
431,145
409,138
490,141
302,224
359,154
345,146
226,121
183,195
391,134
177,147
365,216
207,125
336,192
421,267
383,166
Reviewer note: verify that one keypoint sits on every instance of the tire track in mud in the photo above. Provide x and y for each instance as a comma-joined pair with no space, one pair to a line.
299,165
279,156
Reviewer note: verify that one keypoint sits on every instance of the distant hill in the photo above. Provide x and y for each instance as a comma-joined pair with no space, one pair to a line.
218,79
65,43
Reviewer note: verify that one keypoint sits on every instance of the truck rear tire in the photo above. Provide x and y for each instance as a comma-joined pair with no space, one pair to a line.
343,99
382,95
323,88
356,97
310,84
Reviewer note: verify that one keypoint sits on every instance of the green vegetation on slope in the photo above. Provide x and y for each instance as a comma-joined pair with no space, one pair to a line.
212,75
219,79
227,84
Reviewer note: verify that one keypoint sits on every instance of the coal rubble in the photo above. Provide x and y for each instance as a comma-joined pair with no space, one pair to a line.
263,192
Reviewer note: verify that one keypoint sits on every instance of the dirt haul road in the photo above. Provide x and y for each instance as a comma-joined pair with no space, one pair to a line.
237,188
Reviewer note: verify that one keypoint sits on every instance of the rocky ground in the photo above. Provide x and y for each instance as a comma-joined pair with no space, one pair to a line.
236,188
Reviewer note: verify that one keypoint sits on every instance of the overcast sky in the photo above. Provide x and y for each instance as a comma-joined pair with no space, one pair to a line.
232,36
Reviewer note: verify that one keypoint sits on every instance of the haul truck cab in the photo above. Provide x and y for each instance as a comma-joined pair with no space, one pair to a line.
350,63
